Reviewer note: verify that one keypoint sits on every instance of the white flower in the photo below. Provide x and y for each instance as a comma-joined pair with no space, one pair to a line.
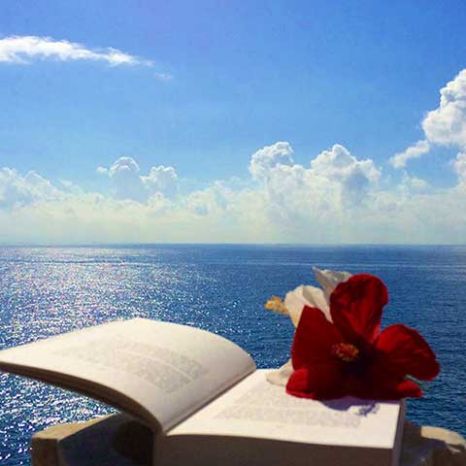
307,295
281,375
293,305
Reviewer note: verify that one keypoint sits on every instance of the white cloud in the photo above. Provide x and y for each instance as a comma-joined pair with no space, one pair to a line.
129,184
354,175
126,182
295,195
335,198
413,183
125,166
161,179
444,126
269,157
412,152
460,167
24,49
17,190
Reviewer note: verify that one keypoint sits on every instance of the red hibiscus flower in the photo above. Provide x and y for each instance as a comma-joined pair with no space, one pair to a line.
350,355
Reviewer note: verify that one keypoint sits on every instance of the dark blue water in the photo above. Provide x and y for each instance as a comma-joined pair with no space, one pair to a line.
45,291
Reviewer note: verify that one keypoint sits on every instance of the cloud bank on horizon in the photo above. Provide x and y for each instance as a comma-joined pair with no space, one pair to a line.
337,198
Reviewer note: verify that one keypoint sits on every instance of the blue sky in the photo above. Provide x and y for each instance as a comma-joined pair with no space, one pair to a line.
177,121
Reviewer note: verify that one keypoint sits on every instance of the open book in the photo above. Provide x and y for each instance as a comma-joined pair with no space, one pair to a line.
205,401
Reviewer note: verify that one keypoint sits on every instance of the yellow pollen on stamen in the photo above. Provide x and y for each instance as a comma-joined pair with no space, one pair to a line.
345,351
276,304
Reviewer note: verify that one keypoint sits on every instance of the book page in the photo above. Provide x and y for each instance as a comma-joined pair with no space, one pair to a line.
159,371
256,408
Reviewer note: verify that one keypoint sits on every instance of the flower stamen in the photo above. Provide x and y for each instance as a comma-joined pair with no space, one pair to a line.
275,304
345,351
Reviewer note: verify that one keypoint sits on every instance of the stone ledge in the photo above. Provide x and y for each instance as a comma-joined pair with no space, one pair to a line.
119,440
432,446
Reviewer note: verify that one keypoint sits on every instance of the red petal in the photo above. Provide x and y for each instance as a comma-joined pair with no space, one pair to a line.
356,307
383,388
298,385
402,351
407,388
319,382
313,339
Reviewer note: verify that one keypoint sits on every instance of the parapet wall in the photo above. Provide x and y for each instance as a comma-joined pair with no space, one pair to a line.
119,440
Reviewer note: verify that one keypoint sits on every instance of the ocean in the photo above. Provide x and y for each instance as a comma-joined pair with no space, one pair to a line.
49,290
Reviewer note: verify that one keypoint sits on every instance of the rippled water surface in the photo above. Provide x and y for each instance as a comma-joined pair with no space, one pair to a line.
45,291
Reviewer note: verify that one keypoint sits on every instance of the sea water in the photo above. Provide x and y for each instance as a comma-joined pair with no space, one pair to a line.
46,291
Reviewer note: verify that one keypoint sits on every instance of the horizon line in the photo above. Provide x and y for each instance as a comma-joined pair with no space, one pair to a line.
277,244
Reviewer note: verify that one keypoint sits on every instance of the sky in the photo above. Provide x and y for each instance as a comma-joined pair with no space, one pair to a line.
243,122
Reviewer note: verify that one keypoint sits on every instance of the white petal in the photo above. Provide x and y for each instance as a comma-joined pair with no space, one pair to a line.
305,296
315,296
294,302
280,376
329,279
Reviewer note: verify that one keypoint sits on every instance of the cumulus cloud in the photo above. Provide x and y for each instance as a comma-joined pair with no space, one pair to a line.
413,183
17,190
443,126
127,182
270,157
161,179
460,168
24,49
446,124
213,199
125,178
297,195
337,197
412,152
354,175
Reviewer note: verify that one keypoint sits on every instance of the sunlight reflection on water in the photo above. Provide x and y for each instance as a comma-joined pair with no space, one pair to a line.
46,291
